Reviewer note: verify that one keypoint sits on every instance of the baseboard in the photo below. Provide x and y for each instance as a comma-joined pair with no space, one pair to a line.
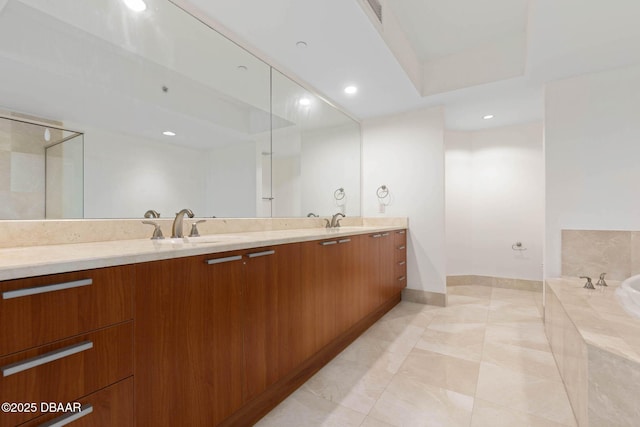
424,297
496,282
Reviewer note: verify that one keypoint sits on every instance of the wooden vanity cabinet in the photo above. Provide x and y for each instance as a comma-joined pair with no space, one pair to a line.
189,340
400,259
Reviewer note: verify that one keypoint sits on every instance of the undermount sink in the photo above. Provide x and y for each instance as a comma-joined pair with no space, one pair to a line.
629,295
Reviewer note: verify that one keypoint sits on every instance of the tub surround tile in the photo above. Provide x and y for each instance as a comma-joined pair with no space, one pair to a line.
597,351
591,252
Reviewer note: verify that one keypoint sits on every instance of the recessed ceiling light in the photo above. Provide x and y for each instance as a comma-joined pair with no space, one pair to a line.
242,67
304,102
488,116
168,133
301,44
350,90
136,5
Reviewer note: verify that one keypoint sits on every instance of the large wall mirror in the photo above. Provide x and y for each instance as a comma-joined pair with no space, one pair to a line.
169,114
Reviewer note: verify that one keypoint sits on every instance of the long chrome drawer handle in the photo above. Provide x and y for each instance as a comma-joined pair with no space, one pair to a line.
384,234
44,289
333,242
401,247
14,368
402,262
225,259
257,254
400,232
344,241
402,279
69,418
375,236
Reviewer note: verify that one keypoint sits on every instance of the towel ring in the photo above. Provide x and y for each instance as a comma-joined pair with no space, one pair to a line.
339,194
382,192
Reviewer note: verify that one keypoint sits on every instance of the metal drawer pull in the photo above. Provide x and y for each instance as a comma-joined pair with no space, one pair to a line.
375,236
225,259
70,417
402,262
344,241
402,279
332,242
14,368
257,254
401,247
384,234
44,289
400,232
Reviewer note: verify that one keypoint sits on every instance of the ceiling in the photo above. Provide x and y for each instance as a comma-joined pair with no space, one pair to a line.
474,58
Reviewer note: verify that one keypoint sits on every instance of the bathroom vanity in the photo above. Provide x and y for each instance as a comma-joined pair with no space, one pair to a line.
183,333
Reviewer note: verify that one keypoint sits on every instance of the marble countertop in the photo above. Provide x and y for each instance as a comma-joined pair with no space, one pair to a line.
30,261
598,316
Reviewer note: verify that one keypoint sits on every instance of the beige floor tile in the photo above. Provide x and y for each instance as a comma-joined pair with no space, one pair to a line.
477,291
467,313
510,313
465,344
526,393
372,353
304,409
442,371
395,337
526,360
455,300
372,422
407,402
349,384
528,334
487,414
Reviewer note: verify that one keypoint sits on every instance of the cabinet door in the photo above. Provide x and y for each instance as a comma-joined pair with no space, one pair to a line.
273,312
188,332
348,285
319,282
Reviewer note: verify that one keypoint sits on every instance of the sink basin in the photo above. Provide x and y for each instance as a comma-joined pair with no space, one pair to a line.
628,295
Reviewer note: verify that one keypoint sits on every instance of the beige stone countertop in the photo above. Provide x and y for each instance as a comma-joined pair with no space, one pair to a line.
598,316
23,262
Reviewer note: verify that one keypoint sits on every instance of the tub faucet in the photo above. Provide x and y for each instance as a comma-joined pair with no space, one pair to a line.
588,285
601,282
335,221
177,223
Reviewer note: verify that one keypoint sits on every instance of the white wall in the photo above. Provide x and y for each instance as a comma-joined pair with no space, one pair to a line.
592,151
495,197
406,153
126,176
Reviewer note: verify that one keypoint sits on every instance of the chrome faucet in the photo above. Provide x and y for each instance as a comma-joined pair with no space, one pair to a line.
177,223
601,282
335,221
152,214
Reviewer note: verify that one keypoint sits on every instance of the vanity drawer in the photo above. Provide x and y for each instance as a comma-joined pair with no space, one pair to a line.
400,237
65,370
39,310
110,407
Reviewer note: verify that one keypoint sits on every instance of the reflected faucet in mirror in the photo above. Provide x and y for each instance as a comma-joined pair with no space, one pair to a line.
312,215
177,222
152,214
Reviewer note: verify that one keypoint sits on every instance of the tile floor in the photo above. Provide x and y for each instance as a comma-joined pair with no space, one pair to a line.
482,361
